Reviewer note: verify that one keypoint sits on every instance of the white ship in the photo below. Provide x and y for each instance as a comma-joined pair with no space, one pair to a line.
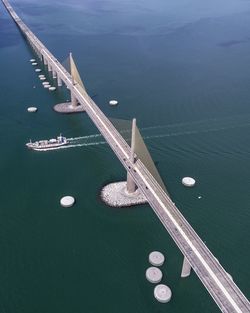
44,145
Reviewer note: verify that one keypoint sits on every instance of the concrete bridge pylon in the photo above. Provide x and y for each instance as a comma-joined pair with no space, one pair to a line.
59,81
45,62
123,194
186,268
49,67
54,73
131,186
76,78
73,106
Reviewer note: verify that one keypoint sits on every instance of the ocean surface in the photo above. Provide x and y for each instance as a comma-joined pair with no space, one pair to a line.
182,68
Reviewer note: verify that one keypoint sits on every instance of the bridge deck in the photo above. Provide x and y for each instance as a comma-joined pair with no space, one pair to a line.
221,287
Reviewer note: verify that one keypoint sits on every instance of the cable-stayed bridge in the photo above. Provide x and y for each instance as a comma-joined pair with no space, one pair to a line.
219,284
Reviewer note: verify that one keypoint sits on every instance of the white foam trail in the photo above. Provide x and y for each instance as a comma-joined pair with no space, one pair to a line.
142,129
96,143
193,123
168,126
84,137
126,131
192,132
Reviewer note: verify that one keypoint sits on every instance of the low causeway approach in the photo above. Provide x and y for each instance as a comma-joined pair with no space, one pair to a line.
219,284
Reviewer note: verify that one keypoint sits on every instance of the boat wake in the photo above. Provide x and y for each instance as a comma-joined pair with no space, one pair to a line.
91,140
84,137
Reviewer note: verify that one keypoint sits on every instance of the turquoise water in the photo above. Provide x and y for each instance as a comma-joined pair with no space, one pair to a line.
179,67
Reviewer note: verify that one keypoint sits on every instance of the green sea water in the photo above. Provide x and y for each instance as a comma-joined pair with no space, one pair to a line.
182,69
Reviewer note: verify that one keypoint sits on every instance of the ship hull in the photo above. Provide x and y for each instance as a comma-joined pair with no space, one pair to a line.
46,145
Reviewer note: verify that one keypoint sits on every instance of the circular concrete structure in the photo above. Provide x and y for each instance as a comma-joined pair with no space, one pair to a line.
32,60
32,109
156,258
67,201
38,70
162,293
67,108
34,63
188,181
153,275
113,102
52,88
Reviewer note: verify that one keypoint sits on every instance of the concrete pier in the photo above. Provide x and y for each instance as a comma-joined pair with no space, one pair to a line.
117,195
124,194
156,258
68,108
49,67
74,101
59,81
186,268
162,293
154,275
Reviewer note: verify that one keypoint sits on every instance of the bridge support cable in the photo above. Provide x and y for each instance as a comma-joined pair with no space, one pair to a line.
131,186
143,154
132,135
76,78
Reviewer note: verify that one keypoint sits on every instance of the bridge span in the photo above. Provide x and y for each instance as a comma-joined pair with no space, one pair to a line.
221,287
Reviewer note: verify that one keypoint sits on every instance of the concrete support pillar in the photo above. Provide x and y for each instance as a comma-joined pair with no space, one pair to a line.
59,81
53,73
49,67
131,186
74,101
186,268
